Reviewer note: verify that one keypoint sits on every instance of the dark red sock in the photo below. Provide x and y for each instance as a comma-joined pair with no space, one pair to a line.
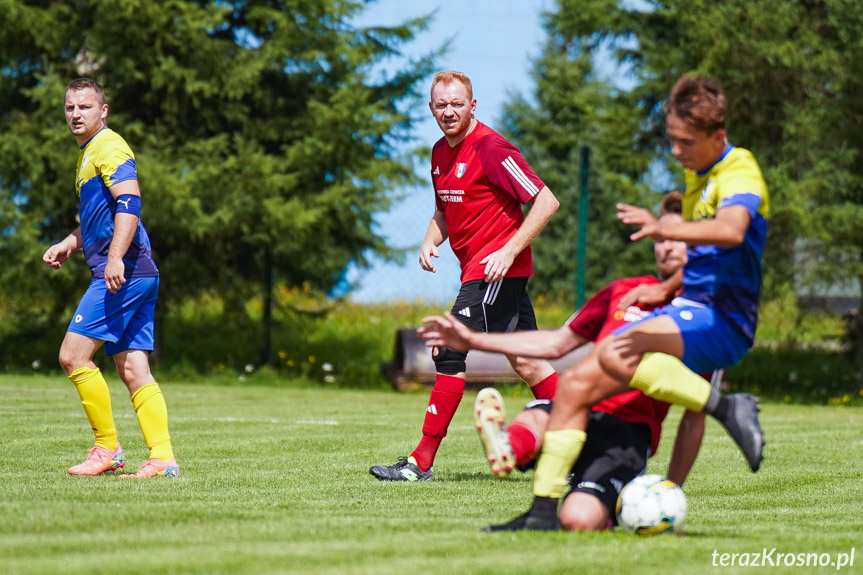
546,388
523,441
445,397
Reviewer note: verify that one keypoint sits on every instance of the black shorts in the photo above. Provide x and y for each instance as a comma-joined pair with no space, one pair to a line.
498,307
614,453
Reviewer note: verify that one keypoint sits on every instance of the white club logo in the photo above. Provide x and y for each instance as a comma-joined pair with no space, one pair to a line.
686,314
79,318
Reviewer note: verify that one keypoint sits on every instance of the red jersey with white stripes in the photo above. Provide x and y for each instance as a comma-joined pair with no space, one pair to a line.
481,185
599,317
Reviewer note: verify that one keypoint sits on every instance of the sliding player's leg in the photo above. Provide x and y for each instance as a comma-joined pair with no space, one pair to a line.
663,355
615,453
579,389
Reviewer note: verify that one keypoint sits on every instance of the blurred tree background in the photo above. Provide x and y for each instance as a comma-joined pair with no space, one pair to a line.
267,137
265,141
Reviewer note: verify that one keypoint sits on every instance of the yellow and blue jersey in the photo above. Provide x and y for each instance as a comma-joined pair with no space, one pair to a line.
728,279
106,160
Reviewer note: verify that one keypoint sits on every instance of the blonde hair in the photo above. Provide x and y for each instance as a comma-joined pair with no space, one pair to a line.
452,76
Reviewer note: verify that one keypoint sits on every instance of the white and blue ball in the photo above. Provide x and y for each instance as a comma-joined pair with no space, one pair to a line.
650,505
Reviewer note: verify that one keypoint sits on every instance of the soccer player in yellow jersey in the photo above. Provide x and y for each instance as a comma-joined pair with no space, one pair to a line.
709,326
117,309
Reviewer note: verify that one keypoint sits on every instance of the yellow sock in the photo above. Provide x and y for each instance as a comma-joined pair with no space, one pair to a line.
560,449
664,377
96,400
153,419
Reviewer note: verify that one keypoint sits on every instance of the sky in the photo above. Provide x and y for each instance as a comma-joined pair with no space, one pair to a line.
493,42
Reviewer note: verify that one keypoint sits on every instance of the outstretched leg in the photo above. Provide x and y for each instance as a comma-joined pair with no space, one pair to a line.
579,388
647,357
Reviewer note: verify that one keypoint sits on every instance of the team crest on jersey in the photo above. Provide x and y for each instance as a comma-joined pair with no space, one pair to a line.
460,169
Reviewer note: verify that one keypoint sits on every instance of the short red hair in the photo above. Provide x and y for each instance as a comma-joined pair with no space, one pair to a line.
452,76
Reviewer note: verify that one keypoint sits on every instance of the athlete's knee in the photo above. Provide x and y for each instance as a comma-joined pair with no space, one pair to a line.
449,361
575,390
70,360
583,512
581,522
610,359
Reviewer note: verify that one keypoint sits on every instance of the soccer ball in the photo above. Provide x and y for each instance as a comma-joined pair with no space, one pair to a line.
651,504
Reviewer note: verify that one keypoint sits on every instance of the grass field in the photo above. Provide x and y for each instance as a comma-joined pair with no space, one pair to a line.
275,480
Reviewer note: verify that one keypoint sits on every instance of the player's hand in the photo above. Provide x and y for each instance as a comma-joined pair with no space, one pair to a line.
427,252
639,217
445,331
115,272
497,264
645,295
55,256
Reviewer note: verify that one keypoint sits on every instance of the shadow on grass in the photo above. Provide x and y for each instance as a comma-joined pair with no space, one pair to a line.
454,477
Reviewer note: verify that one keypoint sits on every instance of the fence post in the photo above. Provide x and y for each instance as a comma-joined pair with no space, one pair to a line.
581,247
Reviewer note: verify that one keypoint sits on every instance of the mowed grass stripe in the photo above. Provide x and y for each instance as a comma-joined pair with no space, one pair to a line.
275,480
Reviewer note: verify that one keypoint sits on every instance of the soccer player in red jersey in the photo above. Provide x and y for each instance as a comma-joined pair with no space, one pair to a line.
481,183
623,430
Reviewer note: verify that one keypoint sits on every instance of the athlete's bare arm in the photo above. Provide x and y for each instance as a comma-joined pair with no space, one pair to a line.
652,295
727,229
125,226
435,236
56,255
544,344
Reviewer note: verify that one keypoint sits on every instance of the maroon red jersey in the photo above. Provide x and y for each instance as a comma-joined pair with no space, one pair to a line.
481,185
599,317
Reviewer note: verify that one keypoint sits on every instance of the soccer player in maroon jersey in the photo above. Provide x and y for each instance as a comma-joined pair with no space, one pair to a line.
623,430
481,182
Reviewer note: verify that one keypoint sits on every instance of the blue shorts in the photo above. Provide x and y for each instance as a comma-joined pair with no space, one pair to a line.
123,320
710,341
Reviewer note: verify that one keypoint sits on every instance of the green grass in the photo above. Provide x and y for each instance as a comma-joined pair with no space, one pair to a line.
275,480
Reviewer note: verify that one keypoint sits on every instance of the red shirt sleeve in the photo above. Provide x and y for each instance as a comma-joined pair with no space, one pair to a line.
588,321
506,169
